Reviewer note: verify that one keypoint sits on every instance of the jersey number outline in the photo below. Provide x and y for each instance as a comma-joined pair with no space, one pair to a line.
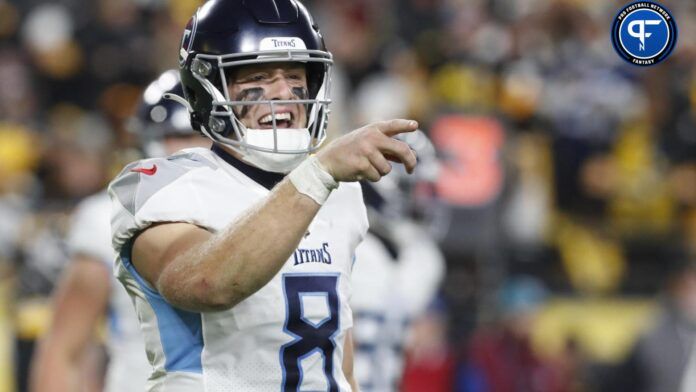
309,338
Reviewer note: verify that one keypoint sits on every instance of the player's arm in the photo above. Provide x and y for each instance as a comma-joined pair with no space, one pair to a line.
197,270
348,361
80,300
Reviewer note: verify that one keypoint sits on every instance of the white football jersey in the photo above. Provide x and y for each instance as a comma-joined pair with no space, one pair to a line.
289,335
390,288
90,234
688,382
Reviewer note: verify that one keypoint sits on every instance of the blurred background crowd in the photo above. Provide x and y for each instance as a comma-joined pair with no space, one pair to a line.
565,205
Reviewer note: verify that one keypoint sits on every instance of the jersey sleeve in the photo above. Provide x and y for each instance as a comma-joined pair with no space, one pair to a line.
157,190
90,232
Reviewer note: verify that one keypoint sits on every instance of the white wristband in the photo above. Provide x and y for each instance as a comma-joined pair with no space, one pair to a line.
311,179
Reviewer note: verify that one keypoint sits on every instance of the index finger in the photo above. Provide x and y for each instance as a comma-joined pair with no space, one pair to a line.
396,126
398,151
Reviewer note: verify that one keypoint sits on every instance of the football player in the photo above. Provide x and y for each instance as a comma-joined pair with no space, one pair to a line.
238,257
88,291
397,272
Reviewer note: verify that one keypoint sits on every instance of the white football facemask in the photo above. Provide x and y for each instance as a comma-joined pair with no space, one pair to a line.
273,149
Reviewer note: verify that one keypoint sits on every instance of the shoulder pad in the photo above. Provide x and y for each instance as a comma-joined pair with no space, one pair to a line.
140,180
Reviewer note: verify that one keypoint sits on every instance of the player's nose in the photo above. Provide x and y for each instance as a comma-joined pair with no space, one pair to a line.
280,89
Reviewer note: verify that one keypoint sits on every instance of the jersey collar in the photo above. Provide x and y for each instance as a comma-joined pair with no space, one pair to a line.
266,179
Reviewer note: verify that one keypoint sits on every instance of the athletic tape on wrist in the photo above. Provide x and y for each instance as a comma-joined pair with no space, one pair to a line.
311,179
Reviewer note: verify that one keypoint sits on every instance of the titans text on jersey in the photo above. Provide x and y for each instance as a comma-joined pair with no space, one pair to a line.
320,255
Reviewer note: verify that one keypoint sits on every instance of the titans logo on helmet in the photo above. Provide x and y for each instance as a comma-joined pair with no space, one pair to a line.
644,33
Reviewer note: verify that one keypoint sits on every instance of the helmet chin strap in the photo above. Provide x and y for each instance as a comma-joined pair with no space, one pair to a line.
178,99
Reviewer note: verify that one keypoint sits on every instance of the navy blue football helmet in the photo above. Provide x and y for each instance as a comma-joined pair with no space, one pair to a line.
158,117
224,34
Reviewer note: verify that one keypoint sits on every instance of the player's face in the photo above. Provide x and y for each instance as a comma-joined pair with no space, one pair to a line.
272,81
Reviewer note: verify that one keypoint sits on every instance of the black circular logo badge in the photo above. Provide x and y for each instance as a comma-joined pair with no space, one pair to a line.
644,33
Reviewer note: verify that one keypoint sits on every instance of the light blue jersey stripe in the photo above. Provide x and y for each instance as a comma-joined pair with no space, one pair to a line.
180,330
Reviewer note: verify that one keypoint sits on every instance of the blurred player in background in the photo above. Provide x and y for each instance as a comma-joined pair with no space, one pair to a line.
239,273
660,359
73,167
87,291
397,272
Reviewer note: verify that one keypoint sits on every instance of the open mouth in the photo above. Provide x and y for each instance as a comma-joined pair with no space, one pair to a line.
282,120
